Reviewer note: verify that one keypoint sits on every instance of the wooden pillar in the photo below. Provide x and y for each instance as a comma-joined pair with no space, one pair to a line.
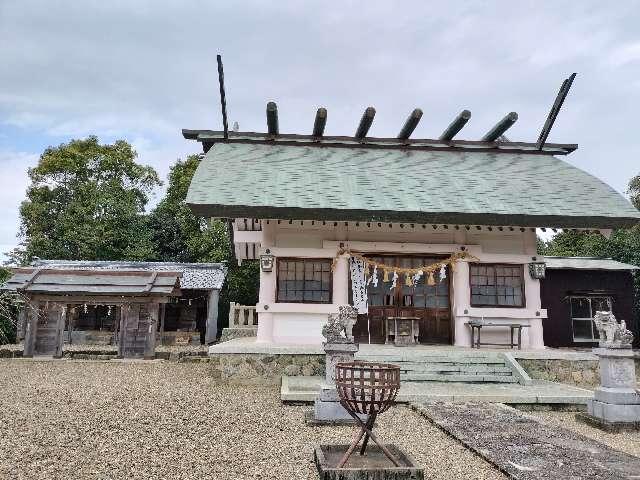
150,347
124,313
23,319
31,331
62,315
163,312
212,317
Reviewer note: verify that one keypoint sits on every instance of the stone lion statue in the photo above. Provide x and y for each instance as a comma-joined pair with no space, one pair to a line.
612,333
339,327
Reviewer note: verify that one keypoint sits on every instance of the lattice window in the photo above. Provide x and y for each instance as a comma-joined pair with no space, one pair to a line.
583,309
304,280
496,285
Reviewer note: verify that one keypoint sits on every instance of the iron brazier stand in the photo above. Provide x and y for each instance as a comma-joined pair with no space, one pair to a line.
367,388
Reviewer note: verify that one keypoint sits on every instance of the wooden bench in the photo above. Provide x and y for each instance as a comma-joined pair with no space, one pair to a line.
476,326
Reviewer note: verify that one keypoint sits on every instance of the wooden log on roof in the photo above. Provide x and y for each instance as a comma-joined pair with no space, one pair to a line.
555,109
320,122
272,118
500,127
455,126
410,125
365,122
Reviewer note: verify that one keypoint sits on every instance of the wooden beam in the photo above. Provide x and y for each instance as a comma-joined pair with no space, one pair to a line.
500,127
272,118
410,124
555,110
455,126
320,122
365,122
223,96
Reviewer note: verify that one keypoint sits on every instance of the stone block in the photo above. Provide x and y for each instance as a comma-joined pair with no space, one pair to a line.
374,465
610,412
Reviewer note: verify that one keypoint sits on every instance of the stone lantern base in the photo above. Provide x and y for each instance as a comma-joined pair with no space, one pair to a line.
327,409
616,403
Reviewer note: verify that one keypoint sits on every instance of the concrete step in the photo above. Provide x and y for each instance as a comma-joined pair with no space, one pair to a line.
432,359
465,368
451,367
436,377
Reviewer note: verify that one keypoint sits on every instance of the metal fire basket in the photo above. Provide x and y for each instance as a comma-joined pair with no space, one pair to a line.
367,388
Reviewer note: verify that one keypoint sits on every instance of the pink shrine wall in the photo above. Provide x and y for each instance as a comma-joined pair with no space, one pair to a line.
299,323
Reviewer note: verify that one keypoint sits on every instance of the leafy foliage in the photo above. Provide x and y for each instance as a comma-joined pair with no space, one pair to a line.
179,235
8,312
623,245
86,201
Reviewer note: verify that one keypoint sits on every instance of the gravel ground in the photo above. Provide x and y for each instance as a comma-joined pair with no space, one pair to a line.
114,420
628,442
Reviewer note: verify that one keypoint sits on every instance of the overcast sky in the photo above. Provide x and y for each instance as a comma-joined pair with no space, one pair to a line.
143,70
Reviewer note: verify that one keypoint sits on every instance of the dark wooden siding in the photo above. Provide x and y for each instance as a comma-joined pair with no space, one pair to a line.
559,284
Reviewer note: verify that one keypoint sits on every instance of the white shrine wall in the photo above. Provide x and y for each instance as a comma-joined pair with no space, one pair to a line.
300,323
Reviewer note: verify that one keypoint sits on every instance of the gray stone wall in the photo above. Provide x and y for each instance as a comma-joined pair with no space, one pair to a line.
237,332
581,373
259,368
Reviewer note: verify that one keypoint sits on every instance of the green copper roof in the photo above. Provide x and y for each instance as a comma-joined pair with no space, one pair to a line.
259,180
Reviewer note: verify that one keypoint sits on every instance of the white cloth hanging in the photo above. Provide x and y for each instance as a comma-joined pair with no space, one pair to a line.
359,285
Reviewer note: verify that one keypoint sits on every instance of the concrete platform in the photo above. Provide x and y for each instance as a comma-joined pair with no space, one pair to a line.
250,345
305,389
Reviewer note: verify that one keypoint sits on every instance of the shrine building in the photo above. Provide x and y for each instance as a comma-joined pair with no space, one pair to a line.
425,237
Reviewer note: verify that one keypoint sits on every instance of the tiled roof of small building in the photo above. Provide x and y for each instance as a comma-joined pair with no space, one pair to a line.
58,281
197,276
518,187
587,263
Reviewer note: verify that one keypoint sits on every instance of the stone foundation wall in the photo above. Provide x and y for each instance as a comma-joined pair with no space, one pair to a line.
581,373
260,368
237,332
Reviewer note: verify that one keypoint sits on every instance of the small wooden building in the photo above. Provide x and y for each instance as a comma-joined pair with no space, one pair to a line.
134,305
574,288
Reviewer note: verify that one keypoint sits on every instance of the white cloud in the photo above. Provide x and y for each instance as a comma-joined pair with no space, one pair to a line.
143,70
13,166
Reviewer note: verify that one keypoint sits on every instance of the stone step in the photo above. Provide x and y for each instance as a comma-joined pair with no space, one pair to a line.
435,377
430,359
440,367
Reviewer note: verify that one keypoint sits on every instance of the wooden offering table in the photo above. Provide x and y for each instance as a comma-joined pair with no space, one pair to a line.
402,331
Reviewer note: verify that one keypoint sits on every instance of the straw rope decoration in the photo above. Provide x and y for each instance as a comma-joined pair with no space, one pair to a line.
413,274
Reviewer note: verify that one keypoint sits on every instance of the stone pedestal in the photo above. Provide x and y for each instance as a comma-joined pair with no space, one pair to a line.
327,408
616,404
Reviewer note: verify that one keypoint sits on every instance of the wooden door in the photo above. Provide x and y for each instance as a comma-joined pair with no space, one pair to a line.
430,303
48,332
138,330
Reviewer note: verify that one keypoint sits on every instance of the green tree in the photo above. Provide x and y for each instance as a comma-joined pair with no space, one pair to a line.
86,201
181,236
8,311
623,245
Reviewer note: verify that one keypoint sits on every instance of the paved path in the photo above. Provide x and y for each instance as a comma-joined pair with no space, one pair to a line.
305,389
525,448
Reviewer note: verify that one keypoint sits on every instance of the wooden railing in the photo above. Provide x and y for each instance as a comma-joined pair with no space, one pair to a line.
242,316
